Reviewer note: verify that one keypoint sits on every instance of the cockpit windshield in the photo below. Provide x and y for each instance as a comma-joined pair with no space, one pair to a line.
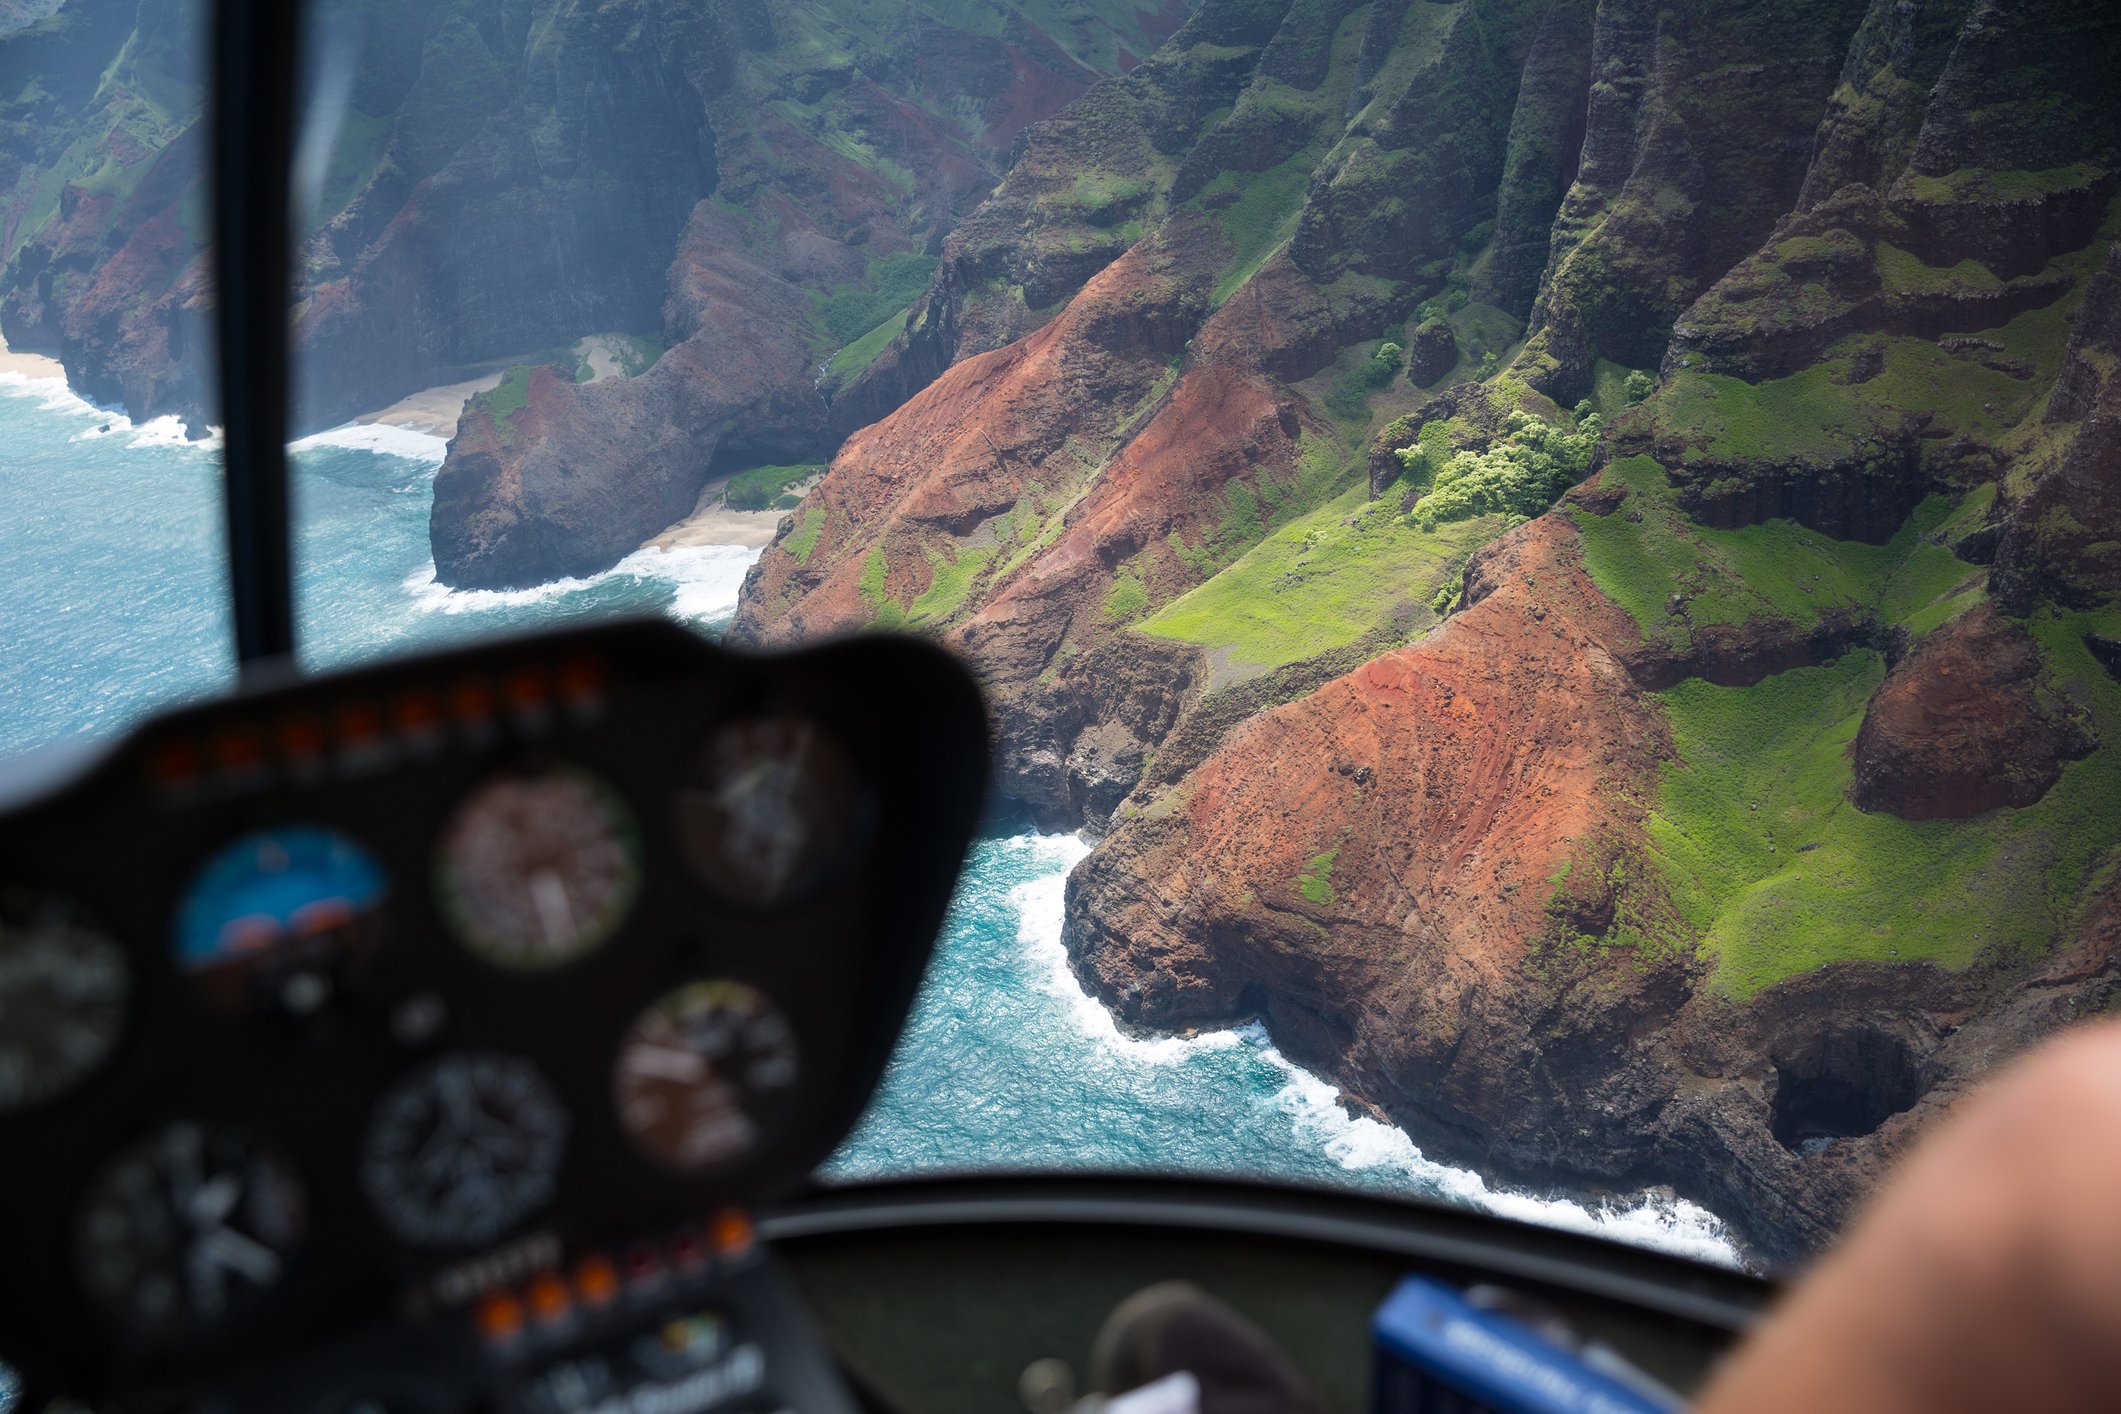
1548,611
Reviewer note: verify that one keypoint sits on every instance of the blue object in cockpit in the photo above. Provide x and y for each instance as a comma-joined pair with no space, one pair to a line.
1437,1353
273,886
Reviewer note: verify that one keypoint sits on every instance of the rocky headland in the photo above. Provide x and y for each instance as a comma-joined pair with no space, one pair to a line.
1718,824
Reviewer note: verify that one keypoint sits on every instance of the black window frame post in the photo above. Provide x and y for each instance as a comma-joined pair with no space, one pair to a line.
253,73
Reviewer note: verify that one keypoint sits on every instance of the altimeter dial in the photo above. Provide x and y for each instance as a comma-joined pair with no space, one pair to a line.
537,869
462,1149
702,1072
63,995
189,1228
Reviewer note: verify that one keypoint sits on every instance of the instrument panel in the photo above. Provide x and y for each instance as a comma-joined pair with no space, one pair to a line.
335,1003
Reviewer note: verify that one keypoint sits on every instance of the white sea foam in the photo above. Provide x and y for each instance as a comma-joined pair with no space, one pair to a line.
706,579
53,395
1355,1144
378,437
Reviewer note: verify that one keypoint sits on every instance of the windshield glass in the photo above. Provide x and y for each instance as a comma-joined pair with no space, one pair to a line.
1543,583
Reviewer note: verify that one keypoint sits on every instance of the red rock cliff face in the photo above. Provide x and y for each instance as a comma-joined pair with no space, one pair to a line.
1963,725
1428,879
1095,455
1393,837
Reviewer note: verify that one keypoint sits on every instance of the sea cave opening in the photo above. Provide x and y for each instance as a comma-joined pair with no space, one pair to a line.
1843,1084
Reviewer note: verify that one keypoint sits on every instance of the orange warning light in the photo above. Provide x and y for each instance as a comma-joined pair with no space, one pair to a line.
549,1302
499,1317
731,1233
596,1281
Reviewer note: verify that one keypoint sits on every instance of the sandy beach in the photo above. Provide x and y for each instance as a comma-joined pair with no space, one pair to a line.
29,365
434,410
713,524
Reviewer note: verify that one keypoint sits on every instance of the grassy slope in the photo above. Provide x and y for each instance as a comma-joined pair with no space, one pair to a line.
1764,770
1872,886
1319,583
863,351
1777,569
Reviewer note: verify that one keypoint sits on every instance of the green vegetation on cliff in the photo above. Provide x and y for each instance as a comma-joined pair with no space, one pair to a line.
1518,477
1675,577
897,280
760,487
1321,581
1779,873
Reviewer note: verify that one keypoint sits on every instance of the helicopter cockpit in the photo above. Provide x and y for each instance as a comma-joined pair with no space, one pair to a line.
462,1031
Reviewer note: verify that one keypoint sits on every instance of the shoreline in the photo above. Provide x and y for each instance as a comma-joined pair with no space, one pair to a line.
29,365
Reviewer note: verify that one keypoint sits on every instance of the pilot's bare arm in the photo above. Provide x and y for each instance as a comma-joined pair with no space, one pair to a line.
1986,1275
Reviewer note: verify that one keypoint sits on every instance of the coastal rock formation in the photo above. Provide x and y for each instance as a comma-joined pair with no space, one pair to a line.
1964,725
546,477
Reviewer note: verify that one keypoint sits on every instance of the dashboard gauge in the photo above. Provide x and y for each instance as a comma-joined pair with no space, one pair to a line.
462,1149
768,808
188,1228
702,1071
281,920
538,869
63,994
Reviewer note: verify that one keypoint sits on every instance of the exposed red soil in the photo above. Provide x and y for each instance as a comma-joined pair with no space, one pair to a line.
1015,84
971,444
1446,784
1961,726
1029,423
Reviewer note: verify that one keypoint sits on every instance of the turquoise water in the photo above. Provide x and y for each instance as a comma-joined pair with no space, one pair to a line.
113,604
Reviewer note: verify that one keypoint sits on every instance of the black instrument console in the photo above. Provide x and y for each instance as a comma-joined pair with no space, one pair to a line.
416,1037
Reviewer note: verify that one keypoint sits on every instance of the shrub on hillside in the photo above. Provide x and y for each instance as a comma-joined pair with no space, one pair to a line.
762,486
1519,476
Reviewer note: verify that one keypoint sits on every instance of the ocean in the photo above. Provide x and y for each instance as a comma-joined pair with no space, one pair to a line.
114,604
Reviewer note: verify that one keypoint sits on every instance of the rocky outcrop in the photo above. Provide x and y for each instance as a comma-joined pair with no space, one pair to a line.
1964,724
2061,540
1819,279
1432,351
573,478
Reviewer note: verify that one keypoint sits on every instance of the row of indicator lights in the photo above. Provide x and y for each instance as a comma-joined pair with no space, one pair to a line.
361,734
549,1303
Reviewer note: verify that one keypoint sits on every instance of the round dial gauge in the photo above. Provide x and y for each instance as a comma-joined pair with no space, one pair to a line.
63,992
768,807
538,869
189,1227
462,1149
702,1071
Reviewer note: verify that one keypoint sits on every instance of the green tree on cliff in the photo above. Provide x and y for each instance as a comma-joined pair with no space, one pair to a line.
1519,476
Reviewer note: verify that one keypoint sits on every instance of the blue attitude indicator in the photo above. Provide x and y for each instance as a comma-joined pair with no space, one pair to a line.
281,920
